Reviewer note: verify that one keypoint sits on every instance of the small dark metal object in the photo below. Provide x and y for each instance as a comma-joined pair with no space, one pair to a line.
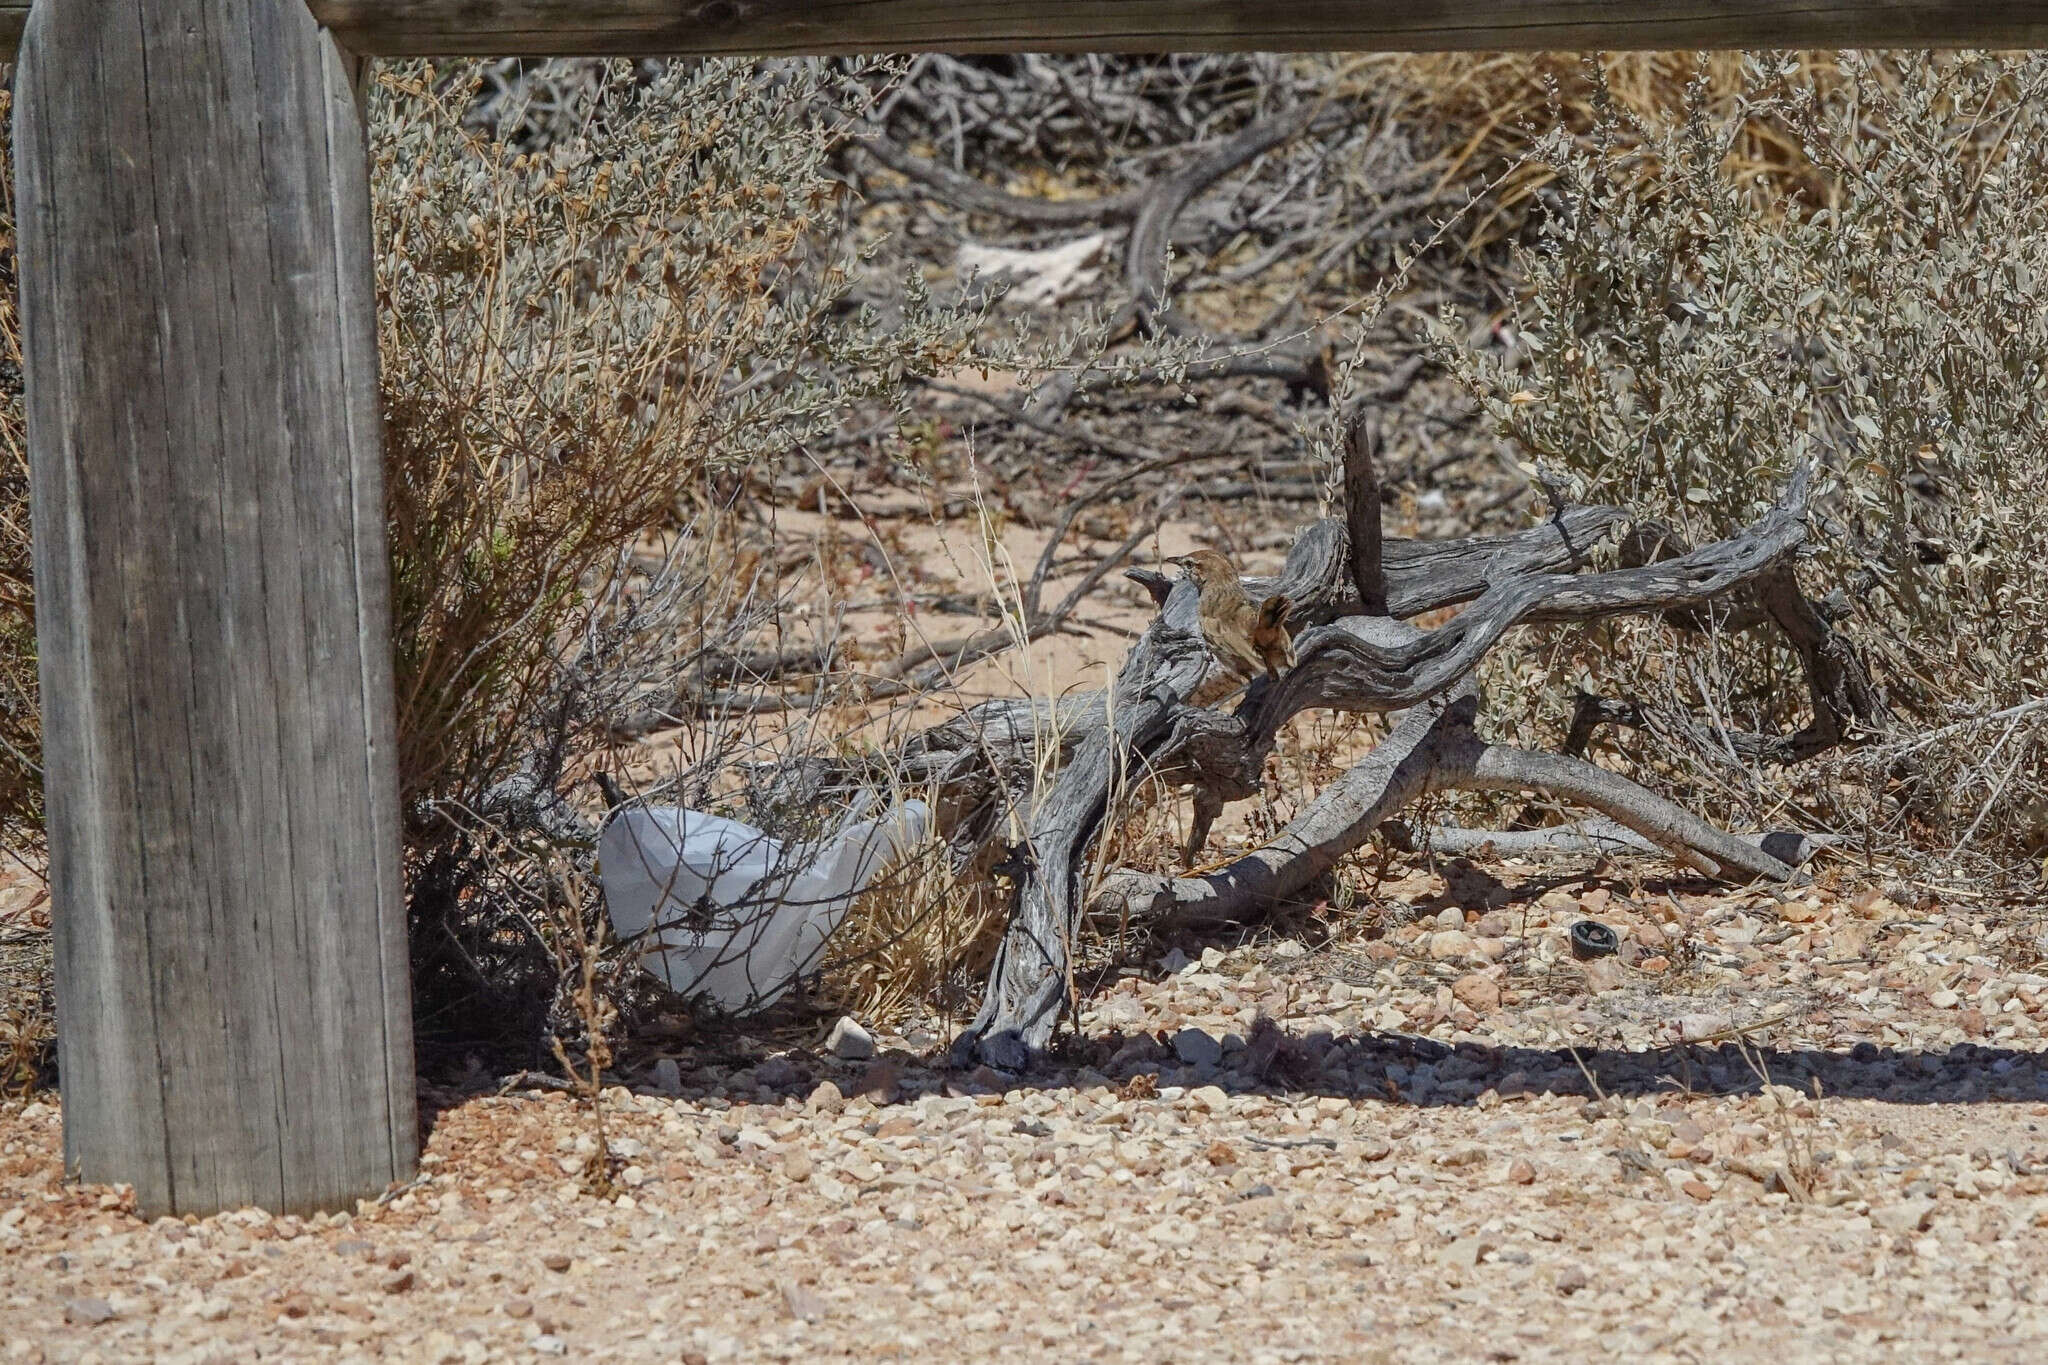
1591,939
1017,864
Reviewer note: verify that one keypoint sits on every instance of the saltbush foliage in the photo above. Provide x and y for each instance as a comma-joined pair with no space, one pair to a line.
1688,330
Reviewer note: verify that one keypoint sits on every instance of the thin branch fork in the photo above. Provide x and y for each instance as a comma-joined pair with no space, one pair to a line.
1841,697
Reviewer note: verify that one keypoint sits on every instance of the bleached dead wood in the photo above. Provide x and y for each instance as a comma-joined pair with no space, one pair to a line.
1347,660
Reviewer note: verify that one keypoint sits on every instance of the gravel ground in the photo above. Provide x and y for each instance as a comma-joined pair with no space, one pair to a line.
1444,1143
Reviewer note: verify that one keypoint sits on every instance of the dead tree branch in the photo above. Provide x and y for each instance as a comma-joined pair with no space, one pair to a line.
1841,696
1145,729
1362,514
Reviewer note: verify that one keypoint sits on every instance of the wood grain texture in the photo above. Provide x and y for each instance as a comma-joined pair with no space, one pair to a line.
1363,531
211,578
765,27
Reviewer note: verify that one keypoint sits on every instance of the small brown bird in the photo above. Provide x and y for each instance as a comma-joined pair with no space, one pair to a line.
1245,637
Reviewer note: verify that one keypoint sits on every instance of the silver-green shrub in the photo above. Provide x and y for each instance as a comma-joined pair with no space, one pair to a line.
1689,329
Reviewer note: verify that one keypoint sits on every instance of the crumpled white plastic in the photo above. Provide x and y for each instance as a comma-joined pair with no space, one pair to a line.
729,912
1039,278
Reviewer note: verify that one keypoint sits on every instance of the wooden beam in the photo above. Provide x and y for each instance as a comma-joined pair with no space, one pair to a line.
765,27
213,605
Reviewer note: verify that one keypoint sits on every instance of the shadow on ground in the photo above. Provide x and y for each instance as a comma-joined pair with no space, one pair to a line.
1395,1070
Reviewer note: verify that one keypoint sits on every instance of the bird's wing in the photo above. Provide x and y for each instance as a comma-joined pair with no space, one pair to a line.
1234,650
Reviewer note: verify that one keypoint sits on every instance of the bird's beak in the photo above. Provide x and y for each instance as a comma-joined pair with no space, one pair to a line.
1178,561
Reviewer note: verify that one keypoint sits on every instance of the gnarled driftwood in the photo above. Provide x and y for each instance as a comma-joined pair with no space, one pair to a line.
1355,653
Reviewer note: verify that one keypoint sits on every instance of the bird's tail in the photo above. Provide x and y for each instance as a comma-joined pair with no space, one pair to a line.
1273,614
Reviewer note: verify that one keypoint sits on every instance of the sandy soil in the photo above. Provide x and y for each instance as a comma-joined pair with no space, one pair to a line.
1447,1143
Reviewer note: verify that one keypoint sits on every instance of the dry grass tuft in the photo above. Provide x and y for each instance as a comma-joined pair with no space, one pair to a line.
920,939
1506,103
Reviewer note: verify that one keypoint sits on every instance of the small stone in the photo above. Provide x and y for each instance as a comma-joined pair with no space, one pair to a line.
548,1344
796,1164
1196,1048
397,1282
517,1308
1520,1172
1212,958
1466,1252
776,1073
1903,1218
1450,917
1658,963
88,1312
1571,1280
1944,1000
295,1306
667,1076
1604,974
1210,1097
1449,944
1175,962
826,1098
882,1075
1694,1027
801,1303
1289,949
556,1261
1696,1189
1479,992
849,1041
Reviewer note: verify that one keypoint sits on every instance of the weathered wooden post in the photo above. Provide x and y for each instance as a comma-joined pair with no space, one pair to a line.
214,616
